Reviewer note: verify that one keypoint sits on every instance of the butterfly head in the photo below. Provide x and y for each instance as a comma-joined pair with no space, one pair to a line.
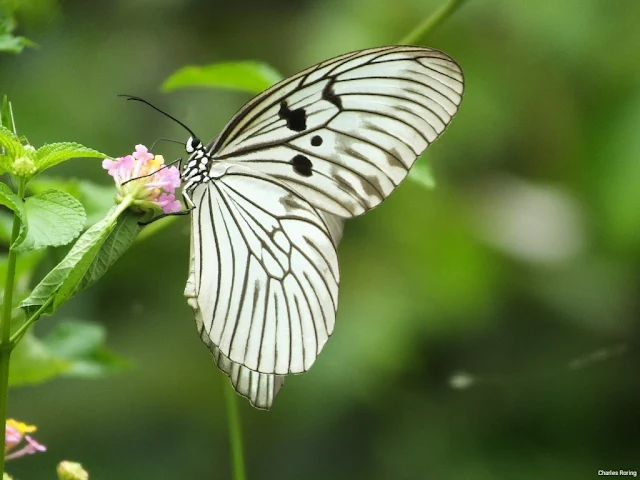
192,145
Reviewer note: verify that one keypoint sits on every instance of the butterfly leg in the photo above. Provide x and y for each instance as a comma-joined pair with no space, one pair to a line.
163,215
186,211
178,161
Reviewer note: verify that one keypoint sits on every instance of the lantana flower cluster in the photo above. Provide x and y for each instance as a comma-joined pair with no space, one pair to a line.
157,190
14,434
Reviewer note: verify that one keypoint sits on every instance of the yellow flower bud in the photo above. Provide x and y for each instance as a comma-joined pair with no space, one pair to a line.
20,426
23,167
71,471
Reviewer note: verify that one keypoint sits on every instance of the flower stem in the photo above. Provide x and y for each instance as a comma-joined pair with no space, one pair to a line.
431,22
6,346
17,336
235,431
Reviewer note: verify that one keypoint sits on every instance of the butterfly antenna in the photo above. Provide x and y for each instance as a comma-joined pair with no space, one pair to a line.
178,161
168,140
142,100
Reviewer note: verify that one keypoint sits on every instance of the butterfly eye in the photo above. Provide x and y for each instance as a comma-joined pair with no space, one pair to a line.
193,144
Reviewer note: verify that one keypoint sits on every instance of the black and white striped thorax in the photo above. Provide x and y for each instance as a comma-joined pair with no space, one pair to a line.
196,170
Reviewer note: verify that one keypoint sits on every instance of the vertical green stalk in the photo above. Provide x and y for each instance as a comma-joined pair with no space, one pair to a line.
235,430
431,22
6,346
5,353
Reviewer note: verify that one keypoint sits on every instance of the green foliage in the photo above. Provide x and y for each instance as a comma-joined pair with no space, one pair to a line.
6,224
13,149
25,267
247,76
8,42
117,242
26,161
54,153
13,202
6,114
96,199
82,345
72,348
54,218
32,362
61,282
422,174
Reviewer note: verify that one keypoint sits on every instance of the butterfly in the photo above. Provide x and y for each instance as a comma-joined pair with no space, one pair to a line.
269,195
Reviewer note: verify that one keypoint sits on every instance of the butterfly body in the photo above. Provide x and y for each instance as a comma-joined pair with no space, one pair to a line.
270,193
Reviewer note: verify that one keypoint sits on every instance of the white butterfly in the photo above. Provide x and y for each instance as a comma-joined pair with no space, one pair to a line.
271,191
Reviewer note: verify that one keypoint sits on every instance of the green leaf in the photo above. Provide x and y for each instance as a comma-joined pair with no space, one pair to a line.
54,218
13,202
6,114
82,345
6,225
247,76
119,241
61,282
97,199
72,339
422,174
102,362
32,362
55,153
9,43
12,147
73,348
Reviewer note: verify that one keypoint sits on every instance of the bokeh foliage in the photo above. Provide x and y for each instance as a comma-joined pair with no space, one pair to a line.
521,264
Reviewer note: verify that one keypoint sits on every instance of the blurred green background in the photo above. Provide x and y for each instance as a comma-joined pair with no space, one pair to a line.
521,268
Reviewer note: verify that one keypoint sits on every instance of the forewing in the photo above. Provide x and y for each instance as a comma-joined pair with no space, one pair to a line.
345,132
266,271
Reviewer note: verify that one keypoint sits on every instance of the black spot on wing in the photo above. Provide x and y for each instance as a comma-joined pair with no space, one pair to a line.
316,141
296,119
302,165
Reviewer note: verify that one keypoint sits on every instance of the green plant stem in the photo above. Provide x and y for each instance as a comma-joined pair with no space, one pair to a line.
6,346
235,430
431,22
17,336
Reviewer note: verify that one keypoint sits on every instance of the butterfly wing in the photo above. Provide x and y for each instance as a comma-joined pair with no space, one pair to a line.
265,272
345,132
259,388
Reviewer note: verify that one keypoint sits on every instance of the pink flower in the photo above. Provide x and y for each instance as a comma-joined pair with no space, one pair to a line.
12,437
169,203
155,190
15,432
142,153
